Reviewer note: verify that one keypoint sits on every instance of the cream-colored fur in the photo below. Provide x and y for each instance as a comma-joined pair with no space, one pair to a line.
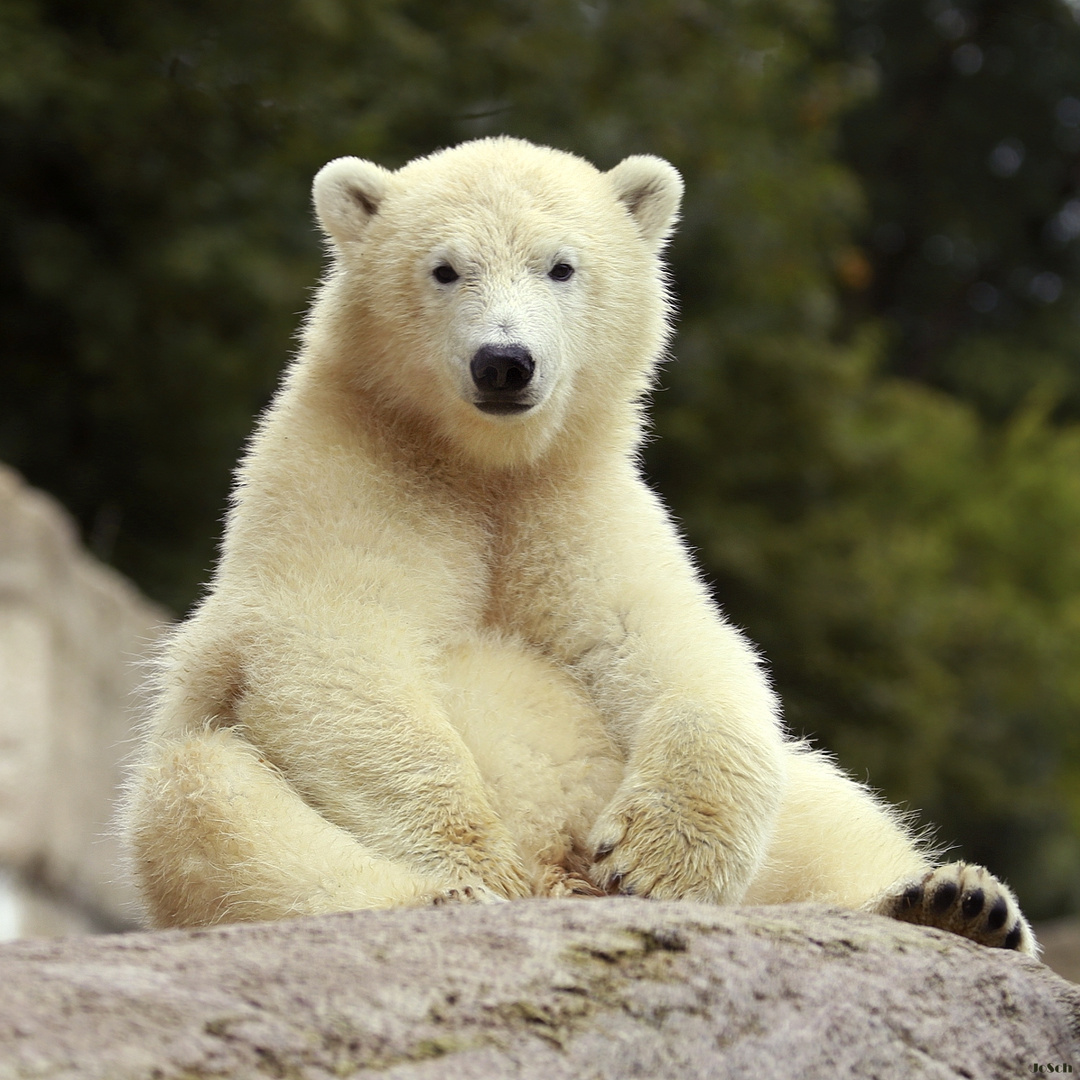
451,650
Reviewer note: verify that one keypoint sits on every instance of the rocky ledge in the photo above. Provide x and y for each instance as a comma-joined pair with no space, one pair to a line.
611,988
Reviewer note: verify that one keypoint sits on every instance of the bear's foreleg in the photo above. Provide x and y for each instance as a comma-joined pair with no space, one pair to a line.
692,818
680,691
704,775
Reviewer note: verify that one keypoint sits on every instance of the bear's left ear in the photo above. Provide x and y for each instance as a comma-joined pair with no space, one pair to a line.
347,194
651,190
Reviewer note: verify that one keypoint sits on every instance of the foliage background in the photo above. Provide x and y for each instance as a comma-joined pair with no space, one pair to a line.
870,433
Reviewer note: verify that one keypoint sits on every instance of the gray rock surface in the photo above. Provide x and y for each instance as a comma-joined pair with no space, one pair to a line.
71,634
586,989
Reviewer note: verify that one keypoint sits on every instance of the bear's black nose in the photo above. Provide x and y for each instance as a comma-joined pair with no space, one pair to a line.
502,371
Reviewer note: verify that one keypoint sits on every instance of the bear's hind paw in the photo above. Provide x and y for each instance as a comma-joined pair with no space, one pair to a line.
466,894
965,899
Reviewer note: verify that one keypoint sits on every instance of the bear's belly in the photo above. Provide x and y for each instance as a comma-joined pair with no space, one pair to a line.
540,744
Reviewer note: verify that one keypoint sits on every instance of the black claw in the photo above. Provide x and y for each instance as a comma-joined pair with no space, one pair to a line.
973,903
998,913
912,897
627,890
603,851
945,896
1012,939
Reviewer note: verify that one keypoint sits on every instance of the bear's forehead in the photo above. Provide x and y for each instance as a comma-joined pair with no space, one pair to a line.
512,221
521,208
500,192
497,181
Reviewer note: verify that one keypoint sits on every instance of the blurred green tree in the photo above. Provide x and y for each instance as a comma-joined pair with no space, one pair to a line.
906,562
970,156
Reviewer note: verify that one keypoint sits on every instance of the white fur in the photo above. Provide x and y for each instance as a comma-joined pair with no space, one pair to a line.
445,649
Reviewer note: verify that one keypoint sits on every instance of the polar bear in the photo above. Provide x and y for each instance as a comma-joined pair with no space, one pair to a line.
455,648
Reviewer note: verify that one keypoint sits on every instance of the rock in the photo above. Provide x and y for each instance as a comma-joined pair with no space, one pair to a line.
71,632
611,988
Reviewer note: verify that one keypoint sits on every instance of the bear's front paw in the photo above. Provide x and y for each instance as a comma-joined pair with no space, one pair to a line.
649,843
555,881
966,899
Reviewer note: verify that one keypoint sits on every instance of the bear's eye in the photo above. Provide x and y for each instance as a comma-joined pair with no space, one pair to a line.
561,272
444,273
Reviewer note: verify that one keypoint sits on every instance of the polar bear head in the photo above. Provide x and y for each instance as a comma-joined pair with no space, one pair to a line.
508,296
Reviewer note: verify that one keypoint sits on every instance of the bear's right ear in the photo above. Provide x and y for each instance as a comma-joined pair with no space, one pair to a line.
347,194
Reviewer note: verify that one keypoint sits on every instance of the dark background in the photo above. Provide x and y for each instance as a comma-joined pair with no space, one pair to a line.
871,432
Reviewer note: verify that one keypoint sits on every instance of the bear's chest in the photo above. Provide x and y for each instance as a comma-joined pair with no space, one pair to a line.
540,571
